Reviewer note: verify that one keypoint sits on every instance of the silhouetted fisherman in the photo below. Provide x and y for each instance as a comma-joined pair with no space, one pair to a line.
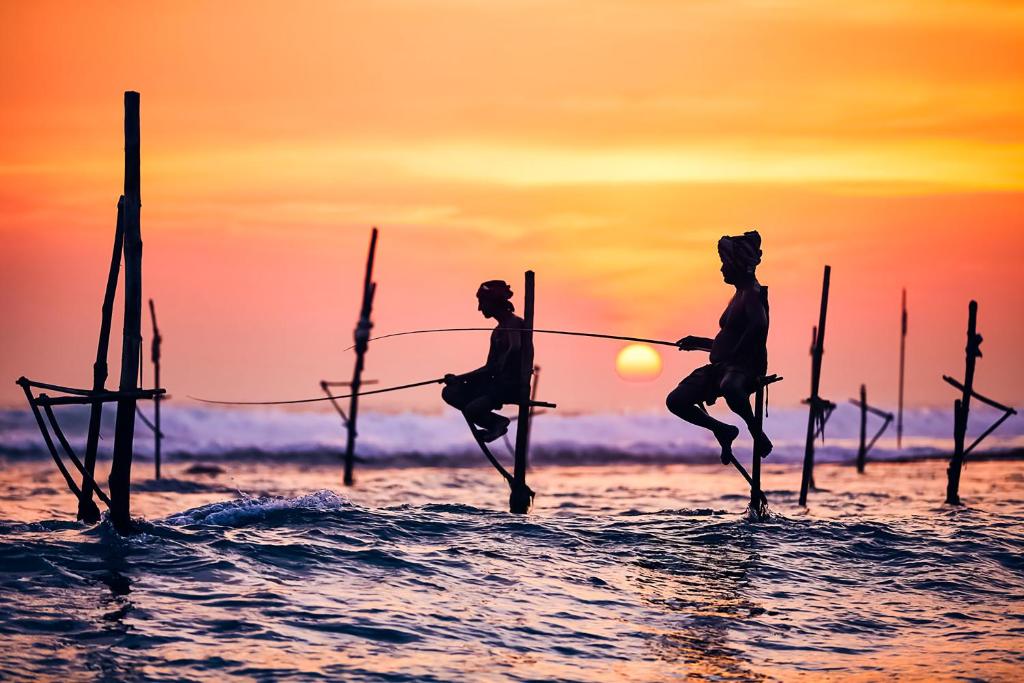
739,354
480,392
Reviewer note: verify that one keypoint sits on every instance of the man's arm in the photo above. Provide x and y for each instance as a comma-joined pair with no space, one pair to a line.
691,343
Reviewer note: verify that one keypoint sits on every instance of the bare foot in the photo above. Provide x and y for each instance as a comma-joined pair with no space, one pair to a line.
725,437
762,445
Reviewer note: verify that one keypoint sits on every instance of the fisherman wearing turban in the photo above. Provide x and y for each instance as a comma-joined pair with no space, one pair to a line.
482,391
738,353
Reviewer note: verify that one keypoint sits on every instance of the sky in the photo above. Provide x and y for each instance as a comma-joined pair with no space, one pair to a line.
605,145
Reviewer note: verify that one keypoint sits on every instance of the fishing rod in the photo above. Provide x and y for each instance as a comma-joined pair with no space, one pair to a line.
439,380
595,335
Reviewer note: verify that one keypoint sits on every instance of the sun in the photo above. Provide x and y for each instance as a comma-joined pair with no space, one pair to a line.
638,363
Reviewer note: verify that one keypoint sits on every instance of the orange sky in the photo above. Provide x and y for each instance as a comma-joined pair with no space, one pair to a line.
607,145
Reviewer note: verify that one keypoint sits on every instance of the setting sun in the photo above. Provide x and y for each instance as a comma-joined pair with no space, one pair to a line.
638,363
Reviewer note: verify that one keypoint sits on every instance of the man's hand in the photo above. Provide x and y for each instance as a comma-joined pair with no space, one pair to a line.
449,378
691,343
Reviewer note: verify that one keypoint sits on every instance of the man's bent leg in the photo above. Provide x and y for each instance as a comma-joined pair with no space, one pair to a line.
682,402
735,391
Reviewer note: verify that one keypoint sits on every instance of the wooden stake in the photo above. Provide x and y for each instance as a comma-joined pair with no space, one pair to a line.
87,510
962,407
757,498
124,427
862,450
362,338
521,497
903,349
817,350
155,355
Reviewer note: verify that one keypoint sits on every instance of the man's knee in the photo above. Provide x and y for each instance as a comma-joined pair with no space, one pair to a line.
679,399
452,396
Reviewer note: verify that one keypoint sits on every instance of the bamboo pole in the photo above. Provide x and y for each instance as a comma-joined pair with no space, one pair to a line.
817,350
862,450
756,495
155,355
362,337
86,510
521,497
903,353
124,426
962,407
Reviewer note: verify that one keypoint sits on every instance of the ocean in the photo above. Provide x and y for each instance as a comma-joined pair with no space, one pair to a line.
638,562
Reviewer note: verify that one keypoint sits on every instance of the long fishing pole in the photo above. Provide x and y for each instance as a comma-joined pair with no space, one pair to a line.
595,335
439,380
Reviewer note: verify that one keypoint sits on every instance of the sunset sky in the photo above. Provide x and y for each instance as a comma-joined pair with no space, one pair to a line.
605,145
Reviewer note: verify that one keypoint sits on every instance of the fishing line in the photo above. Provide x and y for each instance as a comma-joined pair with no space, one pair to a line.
567,333
439,380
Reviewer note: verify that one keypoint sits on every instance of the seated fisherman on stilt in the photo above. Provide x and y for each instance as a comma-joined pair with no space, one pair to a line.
482,391
739,354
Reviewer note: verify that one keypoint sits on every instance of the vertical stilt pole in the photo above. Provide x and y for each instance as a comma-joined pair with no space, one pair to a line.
155,355
521,497
131,346
87,511
862,450
755,465
962,407
817,350
903,353
362,338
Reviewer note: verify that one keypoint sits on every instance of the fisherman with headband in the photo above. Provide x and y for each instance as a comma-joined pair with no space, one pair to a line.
738,353
482,391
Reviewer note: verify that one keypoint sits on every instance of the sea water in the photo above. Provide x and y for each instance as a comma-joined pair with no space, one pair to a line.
257,564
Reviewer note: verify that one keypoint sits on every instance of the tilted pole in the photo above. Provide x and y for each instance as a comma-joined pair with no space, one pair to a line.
131,345
521,497
862,450
155,355
362,338
87,511
817,350
962,406
903,353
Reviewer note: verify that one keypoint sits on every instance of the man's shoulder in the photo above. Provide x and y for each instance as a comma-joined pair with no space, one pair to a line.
514,321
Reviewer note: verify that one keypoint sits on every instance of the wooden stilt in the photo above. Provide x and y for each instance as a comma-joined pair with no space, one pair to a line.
862,450
865,444
155,355
962,407
815,408
757,497
903,354
362,338
124,428
521,497
87,512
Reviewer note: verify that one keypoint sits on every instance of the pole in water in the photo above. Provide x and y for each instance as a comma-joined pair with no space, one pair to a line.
362,338
962,407
862,449
903,354
155,356
521,497
817,350
124,426
87,510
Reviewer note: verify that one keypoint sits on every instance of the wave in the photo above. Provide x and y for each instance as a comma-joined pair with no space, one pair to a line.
416,439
